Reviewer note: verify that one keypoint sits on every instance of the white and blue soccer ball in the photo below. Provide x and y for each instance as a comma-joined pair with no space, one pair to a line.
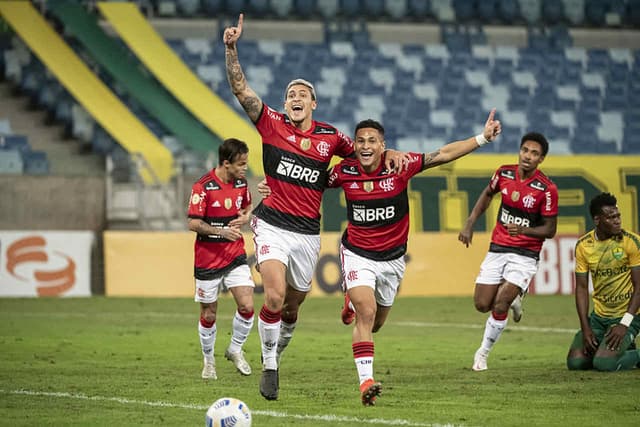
228,412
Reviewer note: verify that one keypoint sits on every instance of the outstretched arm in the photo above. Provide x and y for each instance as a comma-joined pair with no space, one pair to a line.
457,149
249,100
483,202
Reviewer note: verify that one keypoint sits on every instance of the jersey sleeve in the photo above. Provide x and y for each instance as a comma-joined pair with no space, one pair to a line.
633,251
197,201
246,200
344,147
416,164
333,177
581,264
494,182
550,207
267,120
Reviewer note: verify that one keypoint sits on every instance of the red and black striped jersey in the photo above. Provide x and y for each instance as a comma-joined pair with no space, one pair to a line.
295,166
524,202
377,207
217,203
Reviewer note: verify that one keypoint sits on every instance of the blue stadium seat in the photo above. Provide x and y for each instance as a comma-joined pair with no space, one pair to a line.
212,7
530,11
281,8
188,8
595,11
258,7
509,11
487,10
553,11
396,9
419,9
574,11
11,162
305,8
328,9
373,9
36,163
465,10
350,8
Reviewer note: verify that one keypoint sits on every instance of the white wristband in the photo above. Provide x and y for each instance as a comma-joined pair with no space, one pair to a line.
481,140
627,319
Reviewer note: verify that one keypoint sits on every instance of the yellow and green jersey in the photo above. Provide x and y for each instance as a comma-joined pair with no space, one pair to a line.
609,262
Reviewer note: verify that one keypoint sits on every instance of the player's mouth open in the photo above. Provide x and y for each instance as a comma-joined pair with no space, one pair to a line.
297,108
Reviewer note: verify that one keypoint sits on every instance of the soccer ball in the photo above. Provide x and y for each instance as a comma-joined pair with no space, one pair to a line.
228,412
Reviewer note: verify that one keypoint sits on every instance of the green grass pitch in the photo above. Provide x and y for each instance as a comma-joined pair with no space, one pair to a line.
132,362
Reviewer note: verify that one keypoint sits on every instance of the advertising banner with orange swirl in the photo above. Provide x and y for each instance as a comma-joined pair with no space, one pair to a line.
45,263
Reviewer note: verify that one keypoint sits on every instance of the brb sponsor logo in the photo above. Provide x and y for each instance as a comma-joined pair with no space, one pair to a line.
362,214
294,171
28,260
507,218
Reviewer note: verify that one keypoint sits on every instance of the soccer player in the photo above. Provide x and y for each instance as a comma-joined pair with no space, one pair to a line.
528,215
612,255
296,154
219,205
375,240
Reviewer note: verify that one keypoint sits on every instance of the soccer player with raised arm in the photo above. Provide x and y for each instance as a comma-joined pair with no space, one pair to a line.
219,205
527,216
611,255
296,153
375,240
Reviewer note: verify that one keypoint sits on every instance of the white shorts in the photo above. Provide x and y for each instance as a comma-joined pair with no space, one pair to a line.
514,268
383,277
299,252
207,291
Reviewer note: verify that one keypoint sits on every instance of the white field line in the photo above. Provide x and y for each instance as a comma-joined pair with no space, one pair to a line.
329,418
511,326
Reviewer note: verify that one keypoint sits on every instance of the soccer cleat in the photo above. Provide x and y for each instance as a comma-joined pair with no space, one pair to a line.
347,314
516,308
269,384
480,360
238,359
209,369
369,391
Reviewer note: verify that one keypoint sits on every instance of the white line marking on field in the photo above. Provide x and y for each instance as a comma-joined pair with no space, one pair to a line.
310,320
328,418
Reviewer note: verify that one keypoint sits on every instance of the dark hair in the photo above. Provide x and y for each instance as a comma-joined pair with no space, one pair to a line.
600,201
370,123
231,149
537,137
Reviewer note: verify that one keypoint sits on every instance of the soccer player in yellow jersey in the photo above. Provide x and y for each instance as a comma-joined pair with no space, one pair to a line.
605,340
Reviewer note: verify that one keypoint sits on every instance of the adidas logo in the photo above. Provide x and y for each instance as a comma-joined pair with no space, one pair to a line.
291,138
504,191
354,186
216,204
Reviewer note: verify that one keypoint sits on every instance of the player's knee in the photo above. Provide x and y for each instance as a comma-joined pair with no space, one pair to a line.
208,318
245,309
289,314
606,364
579,363
482,307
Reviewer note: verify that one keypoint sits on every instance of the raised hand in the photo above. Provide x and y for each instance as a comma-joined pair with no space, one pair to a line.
232,34
492,128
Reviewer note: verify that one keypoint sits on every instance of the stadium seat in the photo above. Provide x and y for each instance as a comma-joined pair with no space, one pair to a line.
188,8
212,7
553,11
396,9
530,11
36,163
419,9
258,7
508,11
5,127
305,8
443,10
350,8
373,9
282,8
574,11
11,162
595,11
465,10
328,9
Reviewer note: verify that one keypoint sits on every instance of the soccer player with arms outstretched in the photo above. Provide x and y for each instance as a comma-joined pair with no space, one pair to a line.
611,255
375,240
296,153
527,216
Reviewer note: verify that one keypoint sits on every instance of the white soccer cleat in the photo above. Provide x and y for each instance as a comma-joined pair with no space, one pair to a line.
516,308
238,359
480,360
209,369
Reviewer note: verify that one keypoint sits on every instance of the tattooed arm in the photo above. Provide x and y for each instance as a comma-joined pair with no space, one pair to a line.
249,100
457,149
